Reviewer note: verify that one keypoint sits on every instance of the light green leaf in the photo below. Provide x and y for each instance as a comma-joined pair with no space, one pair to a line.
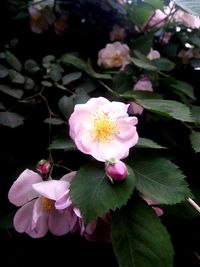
167,108
3,71
195,140
13,61
138,237
16,93
95,195
143,64
70,77
55,72
191,6
31,66
147,143
11,119
195,110
160,180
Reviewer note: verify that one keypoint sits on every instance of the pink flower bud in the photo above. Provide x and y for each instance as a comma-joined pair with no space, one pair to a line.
43,166
116,171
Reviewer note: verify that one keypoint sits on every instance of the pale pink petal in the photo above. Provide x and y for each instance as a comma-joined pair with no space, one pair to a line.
68,177
63,202
39,225
60,222
158,211
52,189
22,191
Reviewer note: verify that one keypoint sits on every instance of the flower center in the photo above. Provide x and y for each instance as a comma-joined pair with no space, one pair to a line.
47,204
104,127
117,59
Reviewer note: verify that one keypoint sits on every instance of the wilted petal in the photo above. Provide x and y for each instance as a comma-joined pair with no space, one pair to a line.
22,191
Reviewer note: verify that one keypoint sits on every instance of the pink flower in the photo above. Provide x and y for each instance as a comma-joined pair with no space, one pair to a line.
150,202
158,19
114,55
188,20
116,171
44,205
143,84
153,54
103,129
117,33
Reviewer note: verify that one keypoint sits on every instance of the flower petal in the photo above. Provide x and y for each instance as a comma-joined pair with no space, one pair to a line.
68,177
22,191
52,189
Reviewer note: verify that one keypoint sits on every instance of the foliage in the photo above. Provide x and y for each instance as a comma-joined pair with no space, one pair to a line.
40,88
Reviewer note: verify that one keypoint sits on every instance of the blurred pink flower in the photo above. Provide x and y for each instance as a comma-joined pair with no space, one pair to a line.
103,129
150,202
188,20
143,84
117,33
153,54
45,205
158,19
114,55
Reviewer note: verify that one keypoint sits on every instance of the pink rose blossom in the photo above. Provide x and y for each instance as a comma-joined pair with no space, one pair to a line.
114,55
117,33
143,84
116,171
153,54
103,129
158,19
188,20
44,205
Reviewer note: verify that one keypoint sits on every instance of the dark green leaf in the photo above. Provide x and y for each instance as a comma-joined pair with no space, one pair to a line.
3,71
147,143
31,66
62,142
139,239
53,121
11,119
16,93
46,83
2,106
195,110
13,61
74,60
164,64
143,64
95,195
66,105
48,59
96,75
6,221
70,77
195,140
143,43
55,72
16,77
168,108
160,180
29,83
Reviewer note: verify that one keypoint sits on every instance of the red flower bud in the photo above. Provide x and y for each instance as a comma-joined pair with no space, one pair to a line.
43,166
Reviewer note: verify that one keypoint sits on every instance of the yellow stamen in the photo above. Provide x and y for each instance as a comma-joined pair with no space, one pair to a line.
117,59
47,204
103,127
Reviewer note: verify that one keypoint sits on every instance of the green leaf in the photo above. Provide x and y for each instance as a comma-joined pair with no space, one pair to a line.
55,72
191,6
16,77
195,110
143,64
195,141
167,108
13,61
62,142
31,66
48,59
163,64
139,239
16,93
3,71
143,43
11,119
96,75
160,180
180,87
29,83
141,13
53,121
95,195
70,77
156,4
74,60
147,143
66,105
